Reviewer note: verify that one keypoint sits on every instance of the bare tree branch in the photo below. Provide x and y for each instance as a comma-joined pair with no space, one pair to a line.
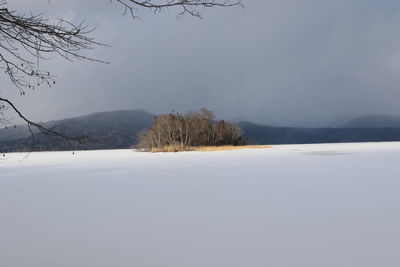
41,128
26,39
191,7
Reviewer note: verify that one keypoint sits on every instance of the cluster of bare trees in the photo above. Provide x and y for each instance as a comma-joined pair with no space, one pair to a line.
189,130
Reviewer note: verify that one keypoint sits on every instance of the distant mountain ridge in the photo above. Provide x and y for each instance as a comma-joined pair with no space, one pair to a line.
373,121
106,130
87,124
120,129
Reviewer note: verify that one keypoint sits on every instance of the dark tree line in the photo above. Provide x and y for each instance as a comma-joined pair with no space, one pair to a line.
181,132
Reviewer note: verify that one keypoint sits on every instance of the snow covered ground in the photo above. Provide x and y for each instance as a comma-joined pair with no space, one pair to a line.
296,205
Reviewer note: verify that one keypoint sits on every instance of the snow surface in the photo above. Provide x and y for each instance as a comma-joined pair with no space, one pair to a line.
295,205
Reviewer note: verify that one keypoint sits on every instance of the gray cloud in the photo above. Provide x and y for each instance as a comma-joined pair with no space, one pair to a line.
277,61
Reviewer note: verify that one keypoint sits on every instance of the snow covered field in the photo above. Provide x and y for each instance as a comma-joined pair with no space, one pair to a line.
296,205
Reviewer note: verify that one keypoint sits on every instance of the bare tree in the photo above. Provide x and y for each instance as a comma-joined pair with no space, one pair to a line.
27,40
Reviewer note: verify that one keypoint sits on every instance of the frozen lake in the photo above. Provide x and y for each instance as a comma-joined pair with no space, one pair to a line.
296,205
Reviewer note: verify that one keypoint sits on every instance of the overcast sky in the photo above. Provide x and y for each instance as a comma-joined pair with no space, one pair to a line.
276,61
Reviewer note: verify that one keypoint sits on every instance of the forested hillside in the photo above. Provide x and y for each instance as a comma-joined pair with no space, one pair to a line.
120,129
105,130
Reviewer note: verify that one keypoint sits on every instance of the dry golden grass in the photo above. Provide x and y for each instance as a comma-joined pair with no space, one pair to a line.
206,148
170,148
227,148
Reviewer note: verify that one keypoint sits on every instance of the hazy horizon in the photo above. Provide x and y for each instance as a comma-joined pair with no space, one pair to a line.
315,122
